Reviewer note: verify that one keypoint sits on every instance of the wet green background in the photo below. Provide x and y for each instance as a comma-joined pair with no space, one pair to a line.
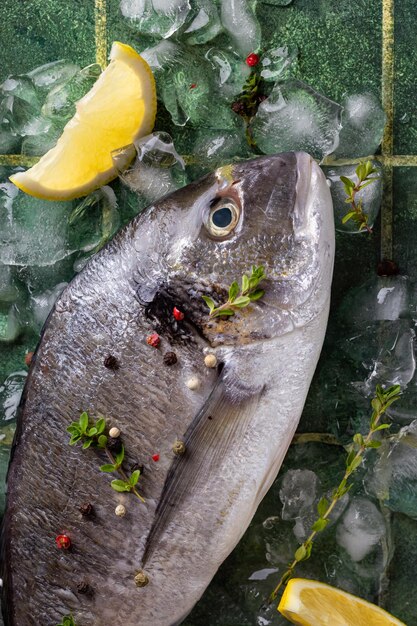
340,47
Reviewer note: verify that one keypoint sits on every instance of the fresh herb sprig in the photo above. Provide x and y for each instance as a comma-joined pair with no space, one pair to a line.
380,403
127,483
363,173
88,434
94,434
68,620
239,296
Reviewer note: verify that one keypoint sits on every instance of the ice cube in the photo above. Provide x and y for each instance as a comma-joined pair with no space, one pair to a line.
10,327
380,298
370,196
157,170
187,86
60,101
42,303
9,291
298,492
159,18
363,122
34,232
361,529
93,221
240,22
205,23
394,476
10,392
39,144
295,117
230,72
47,76
211,149
276,63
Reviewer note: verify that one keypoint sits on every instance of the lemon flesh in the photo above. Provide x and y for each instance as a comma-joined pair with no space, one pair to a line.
311,603
120,108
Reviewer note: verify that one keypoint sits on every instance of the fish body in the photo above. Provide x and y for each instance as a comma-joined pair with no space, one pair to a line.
236,422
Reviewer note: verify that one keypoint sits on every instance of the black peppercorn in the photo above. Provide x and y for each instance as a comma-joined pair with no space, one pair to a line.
114,444
86,509
111,363
84,588
170,358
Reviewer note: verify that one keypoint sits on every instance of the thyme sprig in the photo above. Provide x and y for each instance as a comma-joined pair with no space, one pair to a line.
363,173
67,620
239,296
94,434
360,444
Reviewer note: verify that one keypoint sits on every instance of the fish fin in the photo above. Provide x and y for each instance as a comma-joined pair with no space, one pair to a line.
223,420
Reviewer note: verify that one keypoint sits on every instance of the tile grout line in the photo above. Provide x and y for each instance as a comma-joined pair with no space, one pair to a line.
100,12
387,146
388,161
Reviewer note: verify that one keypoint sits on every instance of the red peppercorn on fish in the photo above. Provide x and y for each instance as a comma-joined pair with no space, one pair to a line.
210,439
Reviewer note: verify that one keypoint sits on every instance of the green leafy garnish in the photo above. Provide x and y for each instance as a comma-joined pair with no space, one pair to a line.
380,403
363,173
94,434
68,620
239,297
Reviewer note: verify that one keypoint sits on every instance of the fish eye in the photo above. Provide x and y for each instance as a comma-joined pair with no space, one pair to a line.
223,218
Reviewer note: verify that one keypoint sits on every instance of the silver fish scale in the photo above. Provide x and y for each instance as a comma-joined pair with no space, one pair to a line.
152,407
237,424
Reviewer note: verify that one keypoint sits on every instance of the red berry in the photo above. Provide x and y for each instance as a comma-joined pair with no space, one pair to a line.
179,315
155,457
63,542
153,340
193,86
252,59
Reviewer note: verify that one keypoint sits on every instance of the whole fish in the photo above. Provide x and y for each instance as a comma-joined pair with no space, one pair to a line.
235,421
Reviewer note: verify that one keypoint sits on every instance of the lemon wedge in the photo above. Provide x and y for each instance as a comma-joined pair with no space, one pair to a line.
120,108
311,603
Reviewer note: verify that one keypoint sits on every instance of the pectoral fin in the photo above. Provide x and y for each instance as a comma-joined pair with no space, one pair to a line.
221,422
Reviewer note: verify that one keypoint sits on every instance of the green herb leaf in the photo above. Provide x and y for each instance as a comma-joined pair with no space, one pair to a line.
355,463
256,295
322,506
374,444
100,425
108,467
134,477
210,303
233,291
73,429
225,312
87,444
320,525
74,439
245,283
241,302
83,421
120,456
92,431
301,553
347,183
120,485
381,427
102,441
348,216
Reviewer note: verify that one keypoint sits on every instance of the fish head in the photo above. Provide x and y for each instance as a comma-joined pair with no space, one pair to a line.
272,211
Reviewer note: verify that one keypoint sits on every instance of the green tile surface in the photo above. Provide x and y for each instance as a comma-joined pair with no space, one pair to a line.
405,116
38,31
405,219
